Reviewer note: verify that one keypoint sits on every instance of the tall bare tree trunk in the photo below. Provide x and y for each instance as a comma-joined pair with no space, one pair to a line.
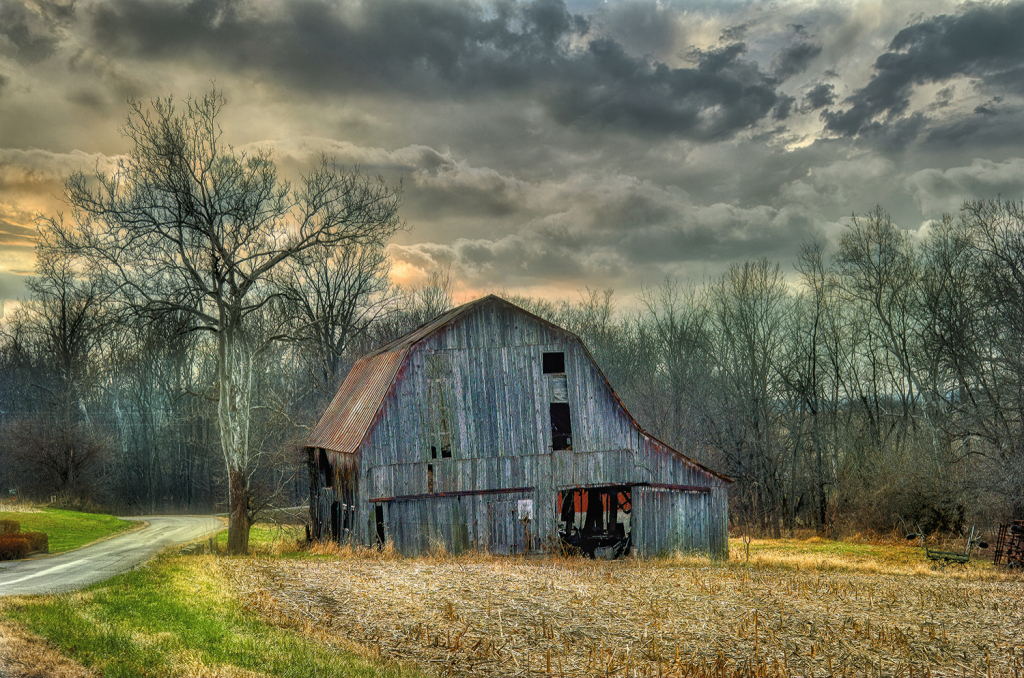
233,414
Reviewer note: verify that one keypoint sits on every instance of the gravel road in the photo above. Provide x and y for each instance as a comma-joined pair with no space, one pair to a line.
91,564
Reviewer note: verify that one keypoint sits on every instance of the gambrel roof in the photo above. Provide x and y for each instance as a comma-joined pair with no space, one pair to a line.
352,412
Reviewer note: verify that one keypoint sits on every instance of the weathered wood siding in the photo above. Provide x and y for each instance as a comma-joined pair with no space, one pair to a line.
476,387
485,522
667,520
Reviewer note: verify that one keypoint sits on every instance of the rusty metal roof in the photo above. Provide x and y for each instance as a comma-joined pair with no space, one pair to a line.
355,406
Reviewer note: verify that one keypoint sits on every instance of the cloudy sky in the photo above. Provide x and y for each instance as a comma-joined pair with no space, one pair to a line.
547,146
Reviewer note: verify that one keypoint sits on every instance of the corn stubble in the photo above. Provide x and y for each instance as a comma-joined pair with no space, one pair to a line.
494,616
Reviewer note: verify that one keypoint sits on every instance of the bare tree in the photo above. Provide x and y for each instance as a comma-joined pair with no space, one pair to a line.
973,298
749,303
334,295
679,323
818,353
411,307
187,225
67,318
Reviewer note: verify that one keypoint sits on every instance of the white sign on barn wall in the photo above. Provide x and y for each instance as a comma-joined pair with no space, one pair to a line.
525,509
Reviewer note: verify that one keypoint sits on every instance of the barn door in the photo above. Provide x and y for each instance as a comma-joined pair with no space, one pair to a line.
508,534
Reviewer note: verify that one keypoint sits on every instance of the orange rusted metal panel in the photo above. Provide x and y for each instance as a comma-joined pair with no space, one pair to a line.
349,416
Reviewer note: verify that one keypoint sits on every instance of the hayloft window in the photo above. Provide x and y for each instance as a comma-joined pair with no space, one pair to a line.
561,427
440,404
379,515
325,469
554,363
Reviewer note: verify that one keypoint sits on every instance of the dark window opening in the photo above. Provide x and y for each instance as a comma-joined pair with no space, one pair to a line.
554,363
596,521
446,450
561,427
430,478
433,452
325,469
379,515
336,520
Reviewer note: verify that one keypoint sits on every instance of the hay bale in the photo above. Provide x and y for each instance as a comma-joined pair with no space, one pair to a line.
38,542
13,546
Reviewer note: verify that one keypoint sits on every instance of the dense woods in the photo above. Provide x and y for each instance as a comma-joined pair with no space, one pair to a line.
879,382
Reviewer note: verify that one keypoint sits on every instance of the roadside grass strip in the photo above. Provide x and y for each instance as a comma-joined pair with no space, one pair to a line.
178,617
68,530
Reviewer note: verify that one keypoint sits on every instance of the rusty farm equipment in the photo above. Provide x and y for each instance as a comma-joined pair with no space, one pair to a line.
940,558
1010,545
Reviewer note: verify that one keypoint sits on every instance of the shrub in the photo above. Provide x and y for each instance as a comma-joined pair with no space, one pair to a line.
10,527
13,546
38,542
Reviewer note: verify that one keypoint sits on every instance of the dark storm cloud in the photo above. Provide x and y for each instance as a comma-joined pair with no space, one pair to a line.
984,42
416,46
34,27
735,33
461,50
783,108
897,135
990,126
610,89
794,59
820,96
642,27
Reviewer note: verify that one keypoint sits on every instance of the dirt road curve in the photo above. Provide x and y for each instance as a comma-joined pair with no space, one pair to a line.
90,564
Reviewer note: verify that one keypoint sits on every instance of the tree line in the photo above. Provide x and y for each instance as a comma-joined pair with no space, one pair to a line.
194,313
881,388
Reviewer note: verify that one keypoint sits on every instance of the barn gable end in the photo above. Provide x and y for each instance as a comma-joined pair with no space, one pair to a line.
491,428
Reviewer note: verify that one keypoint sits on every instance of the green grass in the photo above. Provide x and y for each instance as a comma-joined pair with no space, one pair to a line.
68,529
264,536
178,617
825,554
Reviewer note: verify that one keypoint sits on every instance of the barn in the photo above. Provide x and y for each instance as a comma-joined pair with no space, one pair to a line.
490,428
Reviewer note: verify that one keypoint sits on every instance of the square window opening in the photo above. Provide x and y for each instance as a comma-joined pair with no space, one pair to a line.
554,363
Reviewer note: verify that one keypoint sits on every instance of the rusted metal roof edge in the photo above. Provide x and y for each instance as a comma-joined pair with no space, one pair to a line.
706,489
633,420
696,463
383,383
460,493
410,339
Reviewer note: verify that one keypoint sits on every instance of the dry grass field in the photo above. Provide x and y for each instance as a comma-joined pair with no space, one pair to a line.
797,608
